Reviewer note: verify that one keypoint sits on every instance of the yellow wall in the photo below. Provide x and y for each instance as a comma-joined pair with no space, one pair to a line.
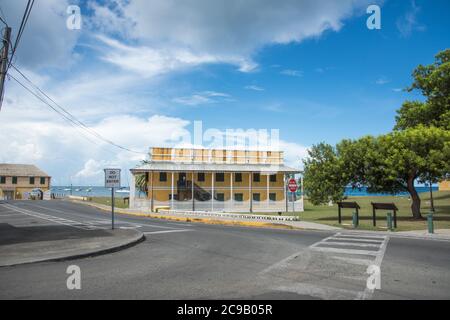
162,189
23,185
216,156
444,185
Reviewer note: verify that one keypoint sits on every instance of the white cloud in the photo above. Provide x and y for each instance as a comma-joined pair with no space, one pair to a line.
294,153
92,168
200,98
149,62
292,73
382,81
30,133
408,23
46,40
274,107
255,88
174,34
141,40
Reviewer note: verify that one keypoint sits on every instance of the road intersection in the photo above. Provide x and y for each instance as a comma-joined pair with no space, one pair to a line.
199,261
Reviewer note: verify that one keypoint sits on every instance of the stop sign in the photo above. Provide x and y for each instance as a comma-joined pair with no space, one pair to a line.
292,185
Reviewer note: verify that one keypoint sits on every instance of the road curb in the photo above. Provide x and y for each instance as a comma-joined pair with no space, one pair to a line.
140,237
253,224
259,224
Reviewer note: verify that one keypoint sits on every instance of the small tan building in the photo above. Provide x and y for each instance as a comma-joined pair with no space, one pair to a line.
18,180
213,180
444,185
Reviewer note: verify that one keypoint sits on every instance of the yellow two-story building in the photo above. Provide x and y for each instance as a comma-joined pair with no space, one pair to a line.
17,181
213,180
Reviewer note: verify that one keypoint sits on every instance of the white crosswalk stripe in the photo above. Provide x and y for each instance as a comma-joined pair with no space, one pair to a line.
344,244
357,249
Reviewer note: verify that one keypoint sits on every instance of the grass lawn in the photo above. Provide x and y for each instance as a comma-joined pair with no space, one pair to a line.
329,214
118,202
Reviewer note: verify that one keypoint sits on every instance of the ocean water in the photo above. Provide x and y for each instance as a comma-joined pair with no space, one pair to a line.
363,192
106,192
86,191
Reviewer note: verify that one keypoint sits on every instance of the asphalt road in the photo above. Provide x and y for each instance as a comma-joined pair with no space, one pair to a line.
200,261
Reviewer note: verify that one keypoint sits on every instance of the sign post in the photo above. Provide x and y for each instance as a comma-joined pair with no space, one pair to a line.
292,185
112,180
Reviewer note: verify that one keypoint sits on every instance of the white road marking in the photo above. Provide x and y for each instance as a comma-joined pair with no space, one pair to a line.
354,235
167,231
334,244
66,222
367,294
358,261
351,244
282,263
118,221
357,240
347,251
179,224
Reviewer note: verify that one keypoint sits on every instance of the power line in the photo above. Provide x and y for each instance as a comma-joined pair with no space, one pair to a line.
23,23
45,102
3,17
72,117
65,114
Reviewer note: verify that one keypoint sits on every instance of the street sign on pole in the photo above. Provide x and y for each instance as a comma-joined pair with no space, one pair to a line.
112,180
292,185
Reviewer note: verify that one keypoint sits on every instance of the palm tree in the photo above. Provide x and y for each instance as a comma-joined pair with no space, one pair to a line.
141,180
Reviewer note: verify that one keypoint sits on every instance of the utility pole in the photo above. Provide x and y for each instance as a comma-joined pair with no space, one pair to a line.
4,61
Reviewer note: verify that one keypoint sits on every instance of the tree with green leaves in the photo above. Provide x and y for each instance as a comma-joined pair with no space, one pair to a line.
433,81
396,160
323,179
417,150
388,163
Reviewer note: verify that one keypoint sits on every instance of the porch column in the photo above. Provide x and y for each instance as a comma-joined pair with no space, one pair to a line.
231,190
151,190
193,192
172,192
212,190
268,190
132,191
251,191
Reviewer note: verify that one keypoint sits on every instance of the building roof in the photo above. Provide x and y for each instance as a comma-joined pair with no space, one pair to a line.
213,167
21,170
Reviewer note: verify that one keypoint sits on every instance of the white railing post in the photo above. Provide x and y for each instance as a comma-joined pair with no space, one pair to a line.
231,192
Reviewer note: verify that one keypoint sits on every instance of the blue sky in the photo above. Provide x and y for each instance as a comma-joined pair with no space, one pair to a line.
140,72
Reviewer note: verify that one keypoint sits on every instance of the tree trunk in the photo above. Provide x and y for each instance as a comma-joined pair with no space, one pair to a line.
415,206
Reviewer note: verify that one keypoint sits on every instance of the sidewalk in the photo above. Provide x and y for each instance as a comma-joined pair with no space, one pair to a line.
439,234
52,243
